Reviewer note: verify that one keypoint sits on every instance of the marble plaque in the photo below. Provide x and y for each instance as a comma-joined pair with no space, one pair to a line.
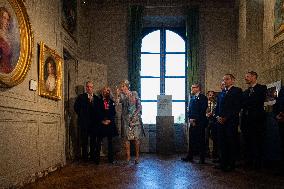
164,105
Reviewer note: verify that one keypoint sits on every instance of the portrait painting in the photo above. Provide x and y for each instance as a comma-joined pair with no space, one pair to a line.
50,73
69,16
15,43
278,17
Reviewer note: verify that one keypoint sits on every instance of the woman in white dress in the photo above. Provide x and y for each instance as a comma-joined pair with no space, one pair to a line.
131,124
50,82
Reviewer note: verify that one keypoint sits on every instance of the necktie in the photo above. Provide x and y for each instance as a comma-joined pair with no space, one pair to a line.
251,91
226,91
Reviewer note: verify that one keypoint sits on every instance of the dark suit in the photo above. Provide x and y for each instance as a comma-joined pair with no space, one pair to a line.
253,123
107,112
197,110
220,98
88,122
229,106
277,108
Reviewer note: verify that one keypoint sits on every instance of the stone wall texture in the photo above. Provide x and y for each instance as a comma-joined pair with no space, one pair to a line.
32,131
259,49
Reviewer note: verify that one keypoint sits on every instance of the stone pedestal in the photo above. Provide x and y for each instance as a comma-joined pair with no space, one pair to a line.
165,138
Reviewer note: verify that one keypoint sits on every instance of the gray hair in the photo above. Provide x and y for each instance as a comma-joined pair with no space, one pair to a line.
126,83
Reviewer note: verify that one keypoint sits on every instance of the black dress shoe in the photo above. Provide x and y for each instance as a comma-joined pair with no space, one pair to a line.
187,159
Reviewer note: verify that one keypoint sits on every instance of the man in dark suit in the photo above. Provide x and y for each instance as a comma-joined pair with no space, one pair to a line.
220,97
198,122
253,120
228,121
86,107
278,109
107,115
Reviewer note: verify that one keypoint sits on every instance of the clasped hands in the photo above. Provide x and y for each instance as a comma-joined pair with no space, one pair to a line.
132,121
106,122
280,117
209,114
221,120
192,122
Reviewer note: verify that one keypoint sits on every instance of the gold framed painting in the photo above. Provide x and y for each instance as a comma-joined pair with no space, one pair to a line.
50,73
16,42
278,17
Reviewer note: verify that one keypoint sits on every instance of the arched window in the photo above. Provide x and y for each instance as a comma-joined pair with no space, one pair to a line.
163,71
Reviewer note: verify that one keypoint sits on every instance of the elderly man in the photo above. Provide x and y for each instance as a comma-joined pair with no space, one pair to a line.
87,108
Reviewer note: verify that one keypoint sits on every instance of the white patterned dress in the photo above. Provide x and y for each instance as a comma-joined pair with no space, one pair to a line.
131,119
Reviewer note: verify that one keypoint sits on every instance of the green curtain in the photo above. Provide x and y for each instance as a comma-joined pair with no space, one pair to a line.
192,35
134,48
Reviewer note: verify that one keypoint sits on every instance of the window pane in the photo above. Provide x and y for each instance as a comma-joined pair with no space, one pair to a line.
175,87
151,42
175,65
150,65
179,112
174,43
150,88
149,112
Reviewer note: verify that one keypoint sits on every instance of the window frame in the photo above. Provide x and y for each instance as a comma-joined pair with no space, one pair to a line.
182,33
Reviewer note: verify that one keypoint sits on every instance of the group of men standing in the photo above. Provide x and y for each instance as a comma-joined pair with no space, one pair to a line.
233,107
96,119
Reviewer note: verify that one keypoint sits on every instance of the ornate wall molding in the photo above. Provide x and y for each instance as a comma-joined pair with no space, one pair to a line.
278,47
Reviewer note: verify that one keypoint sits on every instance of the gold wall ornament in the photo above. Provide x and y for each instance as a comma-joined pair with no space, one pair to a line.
16,43
50,73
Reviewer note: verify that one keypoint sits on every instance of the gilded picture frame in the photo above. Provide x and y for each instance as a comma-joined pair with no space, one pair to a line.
50,73
278,17
16,42
69,17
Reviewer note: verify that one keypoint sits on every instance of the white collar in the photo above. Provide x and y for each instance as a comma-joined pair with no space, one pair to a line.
253,85
229,88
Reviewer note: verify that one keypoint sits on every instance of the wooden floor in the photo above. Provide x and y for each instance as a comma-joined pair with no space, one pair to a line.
155,171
